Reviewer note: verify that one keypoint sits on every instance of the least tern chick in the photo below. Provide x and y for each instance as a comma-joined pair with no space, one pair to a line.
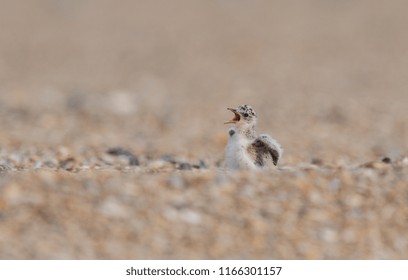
246,150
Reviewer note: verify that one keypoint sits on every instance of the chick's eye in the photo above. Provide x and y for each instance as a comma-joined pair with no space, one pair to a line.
246,115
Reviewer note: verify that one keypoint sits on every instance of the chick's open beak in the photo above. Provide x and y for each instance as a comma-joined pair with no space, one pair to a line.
236,118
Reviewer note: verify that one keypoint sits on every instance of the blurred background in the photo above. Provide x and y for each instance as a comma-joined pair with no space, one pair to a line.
328,80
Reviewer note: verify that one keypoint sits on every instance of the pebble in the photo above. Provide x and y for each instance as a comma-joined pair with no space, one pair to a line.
113,208
176,181
335,184
133,160
190,216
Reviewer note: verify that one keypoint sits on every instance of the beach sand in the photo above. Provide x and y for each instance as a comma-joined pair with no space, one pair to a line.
153,79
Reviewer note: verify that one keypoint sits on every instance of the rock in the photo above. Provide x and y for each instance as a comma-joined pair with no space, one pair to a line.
133,161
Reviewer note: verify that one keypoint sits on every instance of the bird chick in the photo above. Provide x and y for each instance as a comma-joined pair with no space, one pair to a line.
246,150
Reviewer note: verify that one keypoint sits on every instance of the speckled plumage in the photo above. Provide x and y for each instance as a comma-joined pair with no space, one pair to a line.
245,150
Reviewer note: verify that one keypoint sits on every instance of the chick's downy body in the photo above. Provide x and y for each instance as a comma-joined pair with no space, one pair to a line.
236,152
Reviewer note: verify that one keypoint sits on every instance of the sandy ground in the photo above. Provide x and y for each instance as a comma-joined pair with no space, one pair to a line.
154,78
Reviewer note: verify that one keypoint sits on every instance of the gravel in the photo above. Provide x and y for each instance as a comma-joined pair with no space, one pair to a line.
112,135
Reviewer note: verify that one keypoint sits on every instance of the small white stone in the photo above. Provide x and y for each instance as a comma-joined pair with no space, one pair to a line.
111,207
38,164
122,102
190,216
329,235
176,182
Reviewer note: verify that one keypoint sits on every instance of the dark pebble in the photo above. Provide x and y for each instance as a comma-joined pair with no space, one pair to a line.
386,160
317,161
122,152
169,158
185,166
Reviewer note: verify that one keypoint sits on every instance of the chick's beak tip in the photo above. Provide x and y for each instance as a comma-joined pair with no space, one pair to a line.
236,116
